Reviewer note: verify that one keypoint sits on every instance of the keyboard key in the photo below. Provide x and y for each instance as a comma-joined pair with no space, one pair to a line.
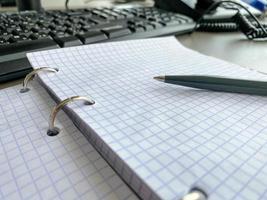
91,37
170,23
33,36
75,14
136,29
155,24
67,41
149,27
116,32
13,39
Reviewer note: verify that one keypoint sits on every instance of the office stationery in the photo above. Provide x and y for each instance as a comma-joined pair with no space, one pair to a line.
164,140
36,166
214,83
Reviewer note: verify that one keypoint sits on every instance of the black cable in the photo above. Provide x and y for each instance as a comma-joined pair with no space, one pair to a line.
67,4
213,6
253,16
254,29
216,25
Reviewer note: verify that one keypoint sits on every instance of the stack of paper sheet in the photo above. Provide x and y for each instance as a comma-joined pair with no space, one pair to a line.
164,139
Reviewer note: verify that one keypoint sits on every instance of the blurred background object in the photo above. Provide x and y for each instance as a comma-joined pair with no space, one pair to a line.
29,5
258,4
7,2
60,4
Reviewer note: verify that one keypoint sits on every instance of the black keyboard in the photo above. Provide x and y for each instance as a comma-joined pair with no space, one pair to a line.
30,31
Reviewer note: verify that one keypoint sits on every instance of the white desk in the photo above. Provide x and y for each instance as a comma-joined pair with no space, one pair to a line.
232,47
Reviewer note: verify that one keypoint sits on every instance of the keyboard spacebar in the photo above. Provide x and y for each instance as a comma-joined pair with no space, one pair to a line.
13,53
26,46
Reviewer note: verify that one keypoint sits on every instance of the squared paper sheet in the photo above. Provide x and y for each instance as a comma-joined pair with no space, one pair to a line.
36,166
165,139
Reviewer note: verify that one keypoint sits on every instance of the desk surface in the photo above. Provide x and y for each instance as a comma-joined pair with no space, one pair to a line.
232,47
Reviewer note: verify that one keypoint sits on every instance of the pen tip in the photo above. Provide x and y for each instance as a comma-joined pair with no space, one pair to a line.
159,78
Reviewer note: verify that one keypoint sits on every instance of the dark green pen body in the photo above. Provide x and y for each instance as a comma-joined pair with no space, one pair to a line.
220,84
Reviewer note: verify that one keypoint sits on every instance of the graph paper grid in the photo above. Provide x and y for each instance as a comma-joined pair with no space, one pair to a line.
36,166
164,139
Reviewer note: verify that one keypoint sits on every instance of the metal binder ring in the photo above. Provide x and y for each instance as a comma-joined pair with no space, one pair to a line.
195,194
53,130
31,75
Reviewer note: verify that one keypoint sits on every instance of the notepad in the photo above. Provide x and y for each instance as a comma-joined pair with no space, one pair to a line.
164,139
35,166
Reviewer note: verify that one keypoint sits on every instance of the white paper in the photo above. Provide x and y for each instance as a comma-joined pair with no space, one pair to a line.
165,139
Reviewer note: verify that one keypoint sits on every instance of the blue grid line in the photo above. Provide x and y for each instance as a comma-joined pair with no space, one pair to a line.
32,100
14,108
217,119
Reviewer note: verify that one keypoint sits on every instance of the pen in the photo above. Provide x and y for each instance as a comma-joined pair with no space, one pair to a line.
216,83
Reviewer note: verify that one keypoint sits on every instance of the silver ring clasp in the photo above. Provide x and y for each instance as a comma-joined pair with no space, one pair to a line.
30,76
53,130
196,194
